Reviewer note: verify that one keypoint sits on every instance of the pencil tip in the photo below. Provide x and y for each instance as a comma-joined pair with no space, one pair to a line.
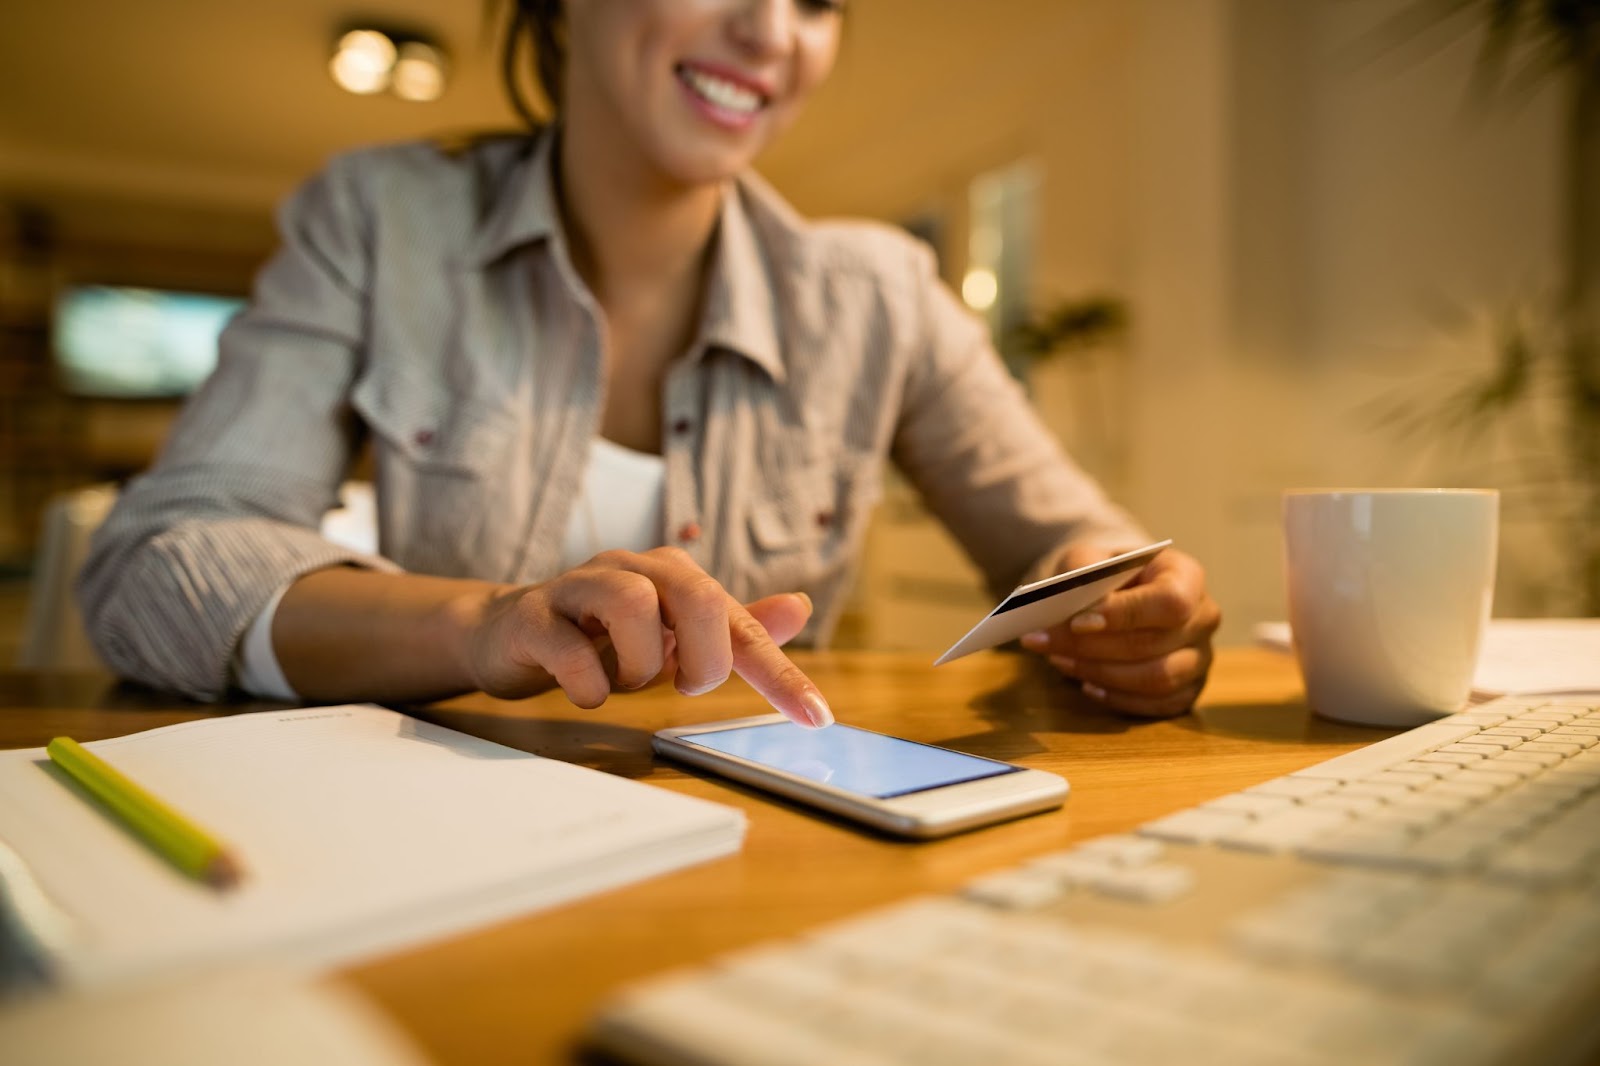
224,872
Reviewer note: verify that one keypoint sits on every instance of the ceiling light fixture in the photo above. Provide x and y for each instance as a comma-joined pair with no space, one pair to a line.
409,65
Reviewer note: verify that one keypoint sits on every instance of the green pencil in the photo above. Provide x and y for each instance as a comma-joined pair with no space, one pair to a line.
178,840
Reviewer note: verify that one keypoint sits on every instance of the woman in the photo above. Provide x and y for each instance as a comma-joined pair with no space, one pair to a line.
628,410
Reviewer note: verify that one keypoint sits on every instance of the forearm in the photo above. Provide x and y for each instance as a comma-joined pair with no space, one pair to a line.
351,634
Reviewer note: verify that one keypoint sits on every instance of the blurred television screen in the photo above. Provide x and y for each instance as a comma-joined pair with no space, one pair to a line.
123,342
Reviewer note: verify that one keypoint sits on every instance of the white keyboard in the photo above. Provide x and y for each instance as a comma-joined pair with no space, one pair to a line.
1431,898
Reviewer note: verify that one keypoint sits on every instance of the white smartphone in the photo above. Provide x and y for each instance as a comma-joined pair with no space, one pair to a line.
897,786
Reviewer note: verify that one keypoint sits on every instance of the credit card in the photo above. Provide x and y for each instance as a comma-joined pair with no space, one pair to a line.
1042,604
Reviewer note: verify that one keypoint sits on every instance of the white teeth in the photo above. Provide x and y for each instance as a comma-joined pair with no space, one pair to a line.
724,94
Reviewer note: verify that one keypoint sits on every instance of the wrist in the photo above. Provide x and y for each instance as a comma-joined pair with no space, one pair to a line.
457,622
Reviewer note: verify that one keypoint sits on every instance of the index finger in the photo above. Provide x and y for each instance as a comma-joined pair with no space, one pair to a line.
760,661
709,623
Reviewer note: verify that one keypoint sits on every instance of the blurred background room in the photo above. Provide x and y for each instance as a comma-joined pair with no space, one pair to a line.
1229,246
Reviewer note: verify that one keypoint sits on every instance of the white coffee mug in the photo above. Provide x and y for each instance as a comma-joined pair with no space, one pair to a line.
1389,592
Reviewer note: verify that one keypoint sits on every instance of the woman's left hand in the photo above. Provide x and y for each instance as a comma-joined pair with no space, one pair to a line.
1144,649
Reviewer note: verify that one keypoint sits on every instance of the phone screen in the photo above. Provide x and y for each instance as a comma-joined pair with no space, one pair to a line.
852,759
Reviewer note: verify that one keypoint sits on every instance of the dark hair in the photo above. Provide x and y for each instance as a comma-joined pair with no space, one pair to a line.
538,26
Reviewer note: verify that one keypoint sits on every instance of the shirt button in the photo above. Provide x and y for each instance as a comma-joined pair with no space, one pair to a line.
824,519
689,531
682,426
423,437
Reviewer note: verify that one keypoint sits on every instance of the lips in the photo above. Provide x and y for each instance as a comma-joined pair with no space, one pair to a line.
725,96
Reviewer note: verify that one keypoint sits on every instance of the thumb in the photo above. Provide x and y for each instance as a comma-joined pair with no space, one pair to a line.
1084,554
783,616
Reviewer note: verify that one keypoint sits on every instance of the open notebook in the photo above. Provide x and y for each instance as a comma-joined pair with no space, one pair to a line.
361,831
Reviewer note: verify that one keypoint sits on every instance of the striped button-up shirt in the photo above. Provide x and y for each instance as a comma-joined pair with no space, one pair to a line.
425,300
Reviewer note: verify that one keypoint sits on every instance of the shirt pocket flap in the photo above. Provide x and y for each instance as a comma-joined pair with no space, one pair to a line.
430,430
776,526
812,506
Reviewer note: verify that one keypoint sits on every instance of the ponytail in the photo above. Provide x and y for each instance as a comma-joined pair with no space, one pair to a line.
539,26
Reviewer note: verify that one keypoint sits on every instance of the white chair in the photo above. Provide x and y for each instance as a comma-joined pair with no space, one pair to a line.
53,637
52,633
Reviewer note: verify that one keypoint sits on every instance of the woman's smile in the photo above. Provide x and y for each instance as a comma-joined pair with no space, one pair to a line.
727,99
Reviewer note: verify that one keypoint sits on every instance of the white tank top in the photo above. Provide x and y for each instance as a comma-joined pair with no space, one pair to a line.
619,504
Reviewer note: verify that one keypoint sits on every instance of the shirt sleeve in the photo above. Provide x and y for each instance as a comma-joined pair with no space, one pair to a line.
984,463
196,547
255,664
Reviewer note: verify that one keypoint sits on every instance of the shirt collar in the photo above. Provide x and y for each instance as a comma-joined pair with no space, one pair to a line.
525,210
741,312
740,307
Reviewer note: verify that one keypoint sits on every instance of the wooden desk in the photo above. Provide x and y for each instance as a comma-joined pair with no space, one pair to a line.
522,991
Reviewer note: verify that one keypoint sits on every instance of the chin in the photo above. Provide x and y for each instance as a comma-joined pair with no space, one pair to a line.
704,166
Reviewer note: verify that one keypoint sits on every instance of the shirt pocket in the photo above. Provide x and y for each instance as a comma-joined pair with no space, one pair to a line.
806,525
440,458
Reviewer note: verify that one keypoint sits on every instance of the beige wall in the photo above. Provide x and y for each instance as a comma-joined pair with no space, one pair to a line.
1367,194
1284,203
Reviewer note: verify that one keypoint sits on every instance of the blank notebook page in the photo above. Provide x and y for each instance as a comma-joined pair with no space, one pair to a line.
359,830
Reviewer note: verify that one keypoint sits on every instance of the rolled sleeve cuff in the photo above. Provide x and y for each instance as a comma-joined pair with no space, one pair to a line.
180,610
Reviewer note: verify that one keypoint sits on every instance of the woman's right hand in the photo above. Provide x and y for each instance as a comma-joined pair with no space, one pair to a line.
663,617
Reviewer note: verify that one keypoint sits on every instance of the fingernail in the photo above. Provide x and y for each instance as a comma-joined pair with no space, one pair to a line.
1093,691
1036,641
1088,622
1062,662
809,605
817,709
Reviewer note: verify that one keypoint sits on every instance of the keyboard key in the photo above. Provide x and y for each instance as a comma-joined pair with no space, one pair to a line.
1473,747
1525,754
1344,800
1376,846
722,1030
1492,740
1074,867
1524,732
1549,714
1477,718
1410,819
1496,777
1292,787
1286,938
1193,826
1405,778
1379,789
1251,804
1555,747
1455,786
1459,758
1123,849
1574,768
1434,770
1578,727
1016,890
1580,735
1283,832
1160,883
1434,800
1521,768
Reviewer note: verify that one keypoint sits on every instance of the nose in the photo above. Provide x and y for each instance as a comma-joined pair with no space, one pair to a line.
764,27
